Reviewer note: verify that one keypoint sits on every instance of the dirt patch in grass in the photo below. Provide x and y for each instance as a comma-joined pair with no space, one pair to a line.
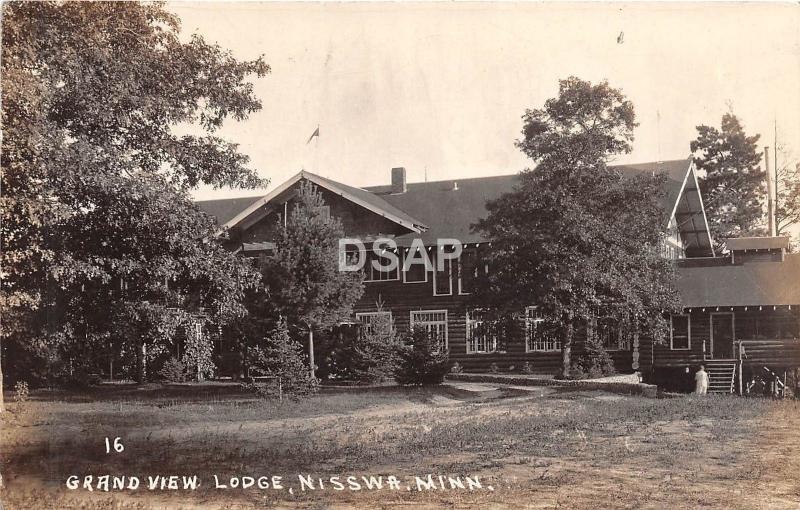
563,449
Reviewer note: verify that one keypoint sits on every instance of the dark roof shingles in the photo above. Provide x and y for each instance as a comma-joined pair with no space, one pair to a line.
748,284
225,209
448,213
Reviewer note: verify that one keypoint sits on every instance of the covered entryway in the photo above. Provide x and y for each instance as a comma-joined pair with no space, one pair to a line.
722,333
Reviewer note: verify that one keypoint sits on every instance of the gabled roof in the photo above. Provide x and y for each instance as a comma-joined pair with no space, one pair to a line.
721,283
358,196
676,171
370,201
450,213
433,210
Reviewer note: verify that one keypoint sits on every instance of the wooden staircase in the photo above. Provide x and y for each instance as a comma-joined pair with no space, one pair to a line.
721,375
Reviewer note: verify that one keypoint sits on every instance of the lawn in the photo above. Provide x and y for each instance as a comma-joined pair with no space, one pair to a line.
544,448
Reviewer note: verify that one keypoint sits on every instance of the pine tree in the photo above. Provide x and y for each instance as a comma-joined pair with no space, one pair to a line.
303,282
282,358
731,180
421,359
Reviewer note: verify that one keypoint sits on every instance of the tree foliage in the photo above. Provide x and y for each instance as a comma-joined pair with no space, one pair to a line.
787,203
367,355
421,359
593,362
96,217
575,235
281,357
302,280
731,181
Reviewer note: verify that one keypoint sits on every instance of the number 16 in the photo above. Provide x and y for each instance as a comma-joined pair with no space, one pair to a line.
117,445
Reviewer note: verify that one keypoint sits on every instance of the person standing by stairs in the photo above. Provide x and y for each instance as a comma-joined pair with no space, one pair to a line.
701,381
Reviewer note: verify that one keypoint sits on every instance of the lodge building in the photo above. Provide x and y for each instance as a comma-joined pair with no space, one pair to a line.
730,302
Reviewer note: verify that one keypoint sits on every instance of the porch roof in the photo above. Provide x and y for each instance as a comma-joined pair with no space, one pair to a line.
748,284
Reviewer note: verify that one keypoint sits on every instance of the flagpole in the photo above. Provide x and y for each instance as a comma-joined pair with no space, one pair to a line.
315,162
316,153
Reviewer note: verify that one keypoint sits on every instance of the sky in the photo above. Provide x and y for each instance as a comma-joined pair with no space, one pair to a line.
440,88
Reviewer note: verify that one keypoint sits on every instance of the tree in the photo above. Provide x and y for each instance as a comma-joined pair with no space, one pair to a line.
731,181
787,203
96,216
366,354
281,358
303,282
574,235
421,360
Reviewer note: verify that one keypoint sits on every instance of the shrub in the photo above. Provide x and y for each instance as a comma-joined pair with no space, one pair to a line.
21,392
361,354
174,370
80,379
593,362
373,356
282,359
420,359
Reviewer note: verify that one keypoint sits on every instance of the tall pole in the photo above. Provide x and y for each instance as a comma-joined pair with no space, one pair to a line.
311,351
770,202
775,159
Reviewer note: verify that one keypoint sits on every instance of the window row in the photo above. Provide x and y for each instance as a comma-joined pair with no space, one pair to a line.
739,326
485,336
448,276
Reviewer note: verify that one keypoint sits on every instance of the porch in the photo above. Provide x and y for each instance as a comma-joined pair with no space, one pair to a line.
757,363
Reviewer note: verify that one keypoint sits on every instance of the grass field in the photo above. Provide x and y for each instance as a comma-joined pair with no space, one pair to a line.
545,448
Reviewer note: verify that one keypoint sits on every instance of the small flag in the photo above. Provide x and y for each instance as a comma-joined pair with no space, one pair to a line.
315,133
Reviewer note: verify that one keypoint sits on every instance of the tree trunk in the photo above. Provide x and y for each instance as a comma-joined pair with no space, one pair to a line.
2,402
311,352
141,363
635,340
566,347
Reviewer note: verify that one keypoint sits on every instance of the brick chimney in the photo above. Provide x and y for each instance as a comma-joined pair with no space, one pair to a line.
399,180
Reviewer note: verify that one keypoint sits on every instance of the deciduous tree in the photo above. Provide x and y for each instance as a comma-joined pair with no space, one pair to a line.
575,235
96,216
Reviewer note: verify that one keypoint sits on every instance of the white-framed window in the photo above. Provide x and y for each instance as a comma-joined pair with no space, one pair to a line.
373,274
434,322
371,321
480,337
538,336
417,272
680,332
